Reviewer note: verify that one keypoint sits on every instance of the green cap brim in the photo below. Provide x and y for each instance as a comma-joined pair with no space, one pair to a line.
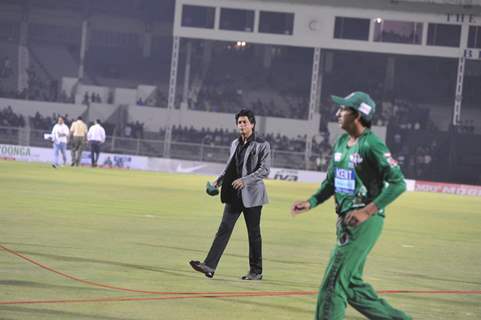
341,101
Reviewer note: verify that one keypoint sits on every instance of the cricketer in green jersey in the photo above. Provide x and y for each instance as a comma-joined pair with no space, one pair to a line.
364,179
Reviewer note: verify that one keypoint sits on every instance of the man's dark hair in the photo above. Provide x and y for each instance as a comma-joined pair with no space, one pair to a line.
79,118
364,122
98,121
246,113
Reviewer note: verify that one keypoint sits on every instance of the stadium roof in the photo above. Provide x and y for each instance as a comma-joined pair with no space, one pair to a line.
435,6
463,3
450,2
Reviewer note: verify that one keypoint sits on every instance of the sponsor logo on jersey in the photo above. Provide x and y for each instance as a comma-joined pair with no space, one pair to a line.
345,181
337,156
390,159
355,158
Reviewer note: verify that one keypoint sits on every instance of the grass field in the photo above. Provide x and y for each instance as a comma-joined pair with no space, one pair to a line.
138,230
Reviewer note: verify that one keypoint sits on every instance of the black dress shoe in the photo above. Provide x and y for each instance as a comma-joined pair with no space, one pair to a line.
202,267
252,276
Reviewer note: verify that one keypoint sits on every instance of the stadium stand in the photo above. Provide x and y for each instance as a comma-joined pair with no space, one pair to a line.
239,78
414,93
8,70
8,118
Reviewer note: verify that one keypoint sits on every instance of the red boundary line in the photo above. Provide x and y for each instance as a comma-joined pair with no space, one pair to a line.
184,295
88,282
187,296
106,286
221,295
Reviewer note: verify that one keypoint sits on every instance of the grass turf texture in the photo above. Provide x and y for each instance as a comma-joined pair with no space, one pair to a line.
138,230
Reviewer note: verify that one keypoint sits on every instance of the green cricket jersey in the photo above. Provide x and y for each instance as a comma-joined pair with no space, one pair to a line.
360,174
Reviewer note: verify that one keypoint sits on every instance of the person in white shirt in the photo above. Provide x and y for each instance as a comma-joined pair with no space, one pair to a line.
95,136
60,133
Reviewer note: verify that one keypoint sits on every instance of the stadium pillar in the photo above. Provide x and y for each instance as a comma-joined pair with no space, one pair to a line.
206,57
147,43
316,82
83,48
267,57
458,98
23,54
185,91
171,99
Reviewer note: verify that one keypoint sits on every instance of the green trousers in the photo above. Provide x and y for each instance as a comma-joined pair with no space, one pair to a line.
343,282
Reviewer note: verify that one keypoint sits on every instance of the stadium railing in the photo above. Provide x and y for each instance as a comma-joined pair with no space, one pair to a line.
151,148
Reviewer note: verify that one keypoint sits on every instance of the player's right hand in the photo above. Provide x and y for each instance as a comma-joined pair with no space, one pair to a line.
299,207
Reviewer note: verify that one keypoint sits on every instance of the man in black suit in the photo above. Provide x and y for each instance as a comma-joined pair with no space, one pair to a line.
242,191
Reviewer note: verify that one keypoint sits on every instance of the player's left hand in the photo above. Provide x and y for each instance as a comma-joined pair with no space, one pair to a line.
238,184
356,217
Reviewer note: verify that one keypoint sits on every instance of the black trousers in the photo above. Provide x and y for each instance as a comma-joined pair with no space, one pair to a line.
252,218
94,152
